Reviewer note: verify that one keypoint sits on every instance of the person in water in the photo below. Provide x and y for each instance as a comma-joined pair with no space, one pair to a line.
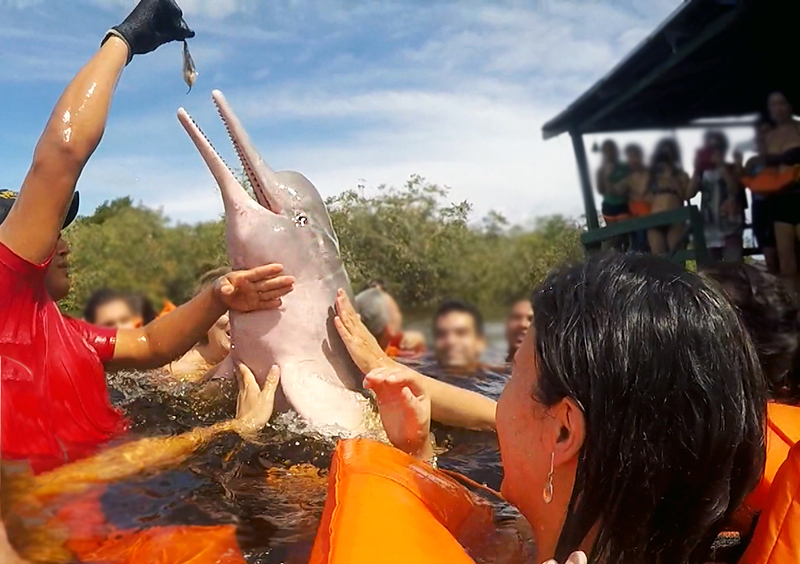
109,308
519,320
771,314
458,337
56,406
373,307
783,152
214,346
625,431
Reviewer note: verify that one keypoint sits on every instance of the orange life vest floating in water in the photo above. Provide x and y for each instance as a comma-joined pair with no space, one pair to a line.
772,180
777,536
783,432
384,506
94,541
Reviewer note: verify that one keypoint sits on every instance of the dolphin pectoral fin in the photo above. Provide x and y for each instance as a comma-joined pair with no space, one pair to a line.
233,194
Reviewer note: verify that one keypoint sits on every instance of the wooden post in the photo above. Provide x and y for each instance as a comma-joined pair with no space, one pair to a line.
586,181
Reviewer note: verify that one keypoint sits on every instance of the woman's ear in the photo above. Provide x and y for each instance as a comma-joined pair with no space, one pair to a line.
571,431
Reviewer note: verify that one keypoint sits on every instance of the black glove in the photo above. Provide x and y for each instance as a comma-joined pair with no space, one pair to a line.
151,24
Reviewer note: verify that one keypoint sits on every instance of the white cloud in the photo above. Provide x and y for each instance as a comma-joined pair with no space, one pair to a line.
456,92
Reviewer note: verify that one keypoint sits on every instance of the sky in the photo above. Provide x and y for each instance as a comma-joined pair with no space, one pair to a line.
348,92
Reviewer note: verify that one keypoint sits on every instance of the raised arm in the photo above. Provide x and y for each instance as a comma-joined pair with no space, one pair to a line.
72,134
76,126
450,405
169,337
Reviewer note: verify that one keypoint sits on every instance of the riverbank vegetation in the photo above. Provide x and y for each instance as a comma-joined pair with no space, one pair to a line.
423,245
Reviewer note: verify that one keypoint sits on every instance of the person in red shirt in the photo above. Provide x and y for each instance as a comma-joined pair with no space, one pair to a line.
55,404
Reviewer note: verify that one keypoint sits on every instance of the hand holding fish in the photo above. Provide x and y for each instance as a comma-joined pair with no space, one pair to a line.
361,344
254,405
152,23
256,289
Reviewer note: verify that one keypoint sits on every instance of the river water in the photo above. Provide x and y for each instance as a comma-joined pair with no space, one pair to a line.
272,492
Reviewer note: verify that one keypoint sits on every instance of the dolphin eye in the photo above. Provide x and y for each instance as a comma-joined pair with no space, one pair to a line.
300,219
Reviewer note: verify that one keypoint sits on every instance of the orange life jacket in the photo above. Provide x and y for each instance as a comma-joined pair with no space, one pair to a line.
384,506
771,180
94,541
783,432
776,539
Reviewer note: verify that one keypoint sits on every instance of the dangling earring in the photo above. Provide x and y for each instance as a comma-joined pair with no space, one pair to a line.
547,492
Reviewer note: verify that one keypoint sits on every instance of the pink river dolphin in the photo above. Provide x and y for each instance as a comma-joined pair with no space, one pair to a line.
287,223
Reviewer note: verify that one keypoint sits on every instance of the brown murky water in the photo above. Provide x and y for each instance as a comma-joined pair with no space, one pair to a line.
271,492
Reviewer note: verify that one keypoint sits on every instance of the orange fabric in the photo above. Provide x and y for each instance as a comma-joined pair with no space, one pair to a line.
777,536
616,219
95,541
772,180
384,506
639,208
783,432
165,545
168,307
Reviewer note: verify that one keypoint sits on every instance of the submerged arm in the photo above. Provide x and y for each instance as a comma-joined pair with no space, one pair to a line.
253,411
128,460
69,139
450,405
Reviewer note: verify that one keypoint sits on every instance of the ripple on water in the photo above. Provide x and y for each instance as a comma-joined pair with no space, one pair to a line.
271,490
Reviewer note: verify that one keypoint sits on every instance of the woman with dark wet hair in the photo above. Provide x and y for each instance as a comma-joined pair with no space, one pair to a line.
633,424
771,315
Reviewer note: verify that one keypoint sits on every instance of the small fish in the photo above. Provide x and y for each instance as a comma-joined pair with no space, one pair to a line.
189,72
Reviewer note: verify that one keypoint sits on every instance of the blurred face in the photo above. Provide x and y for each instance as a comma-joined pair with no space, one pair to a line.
715,148
519,321
610,153
762,131
635,158
458,345
779,108
57,278
117,314
219,336
395,325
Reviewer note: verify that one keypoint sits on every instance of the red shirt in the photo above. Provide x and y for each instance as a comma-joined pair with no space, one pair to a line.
55,404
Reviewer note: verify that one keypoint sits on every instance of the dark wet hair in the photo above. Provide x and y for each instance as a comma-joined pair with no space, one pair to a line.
459,306
672,145
100,298
772,316
378,283
674,402
143,307
634,148
719,137
609,144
